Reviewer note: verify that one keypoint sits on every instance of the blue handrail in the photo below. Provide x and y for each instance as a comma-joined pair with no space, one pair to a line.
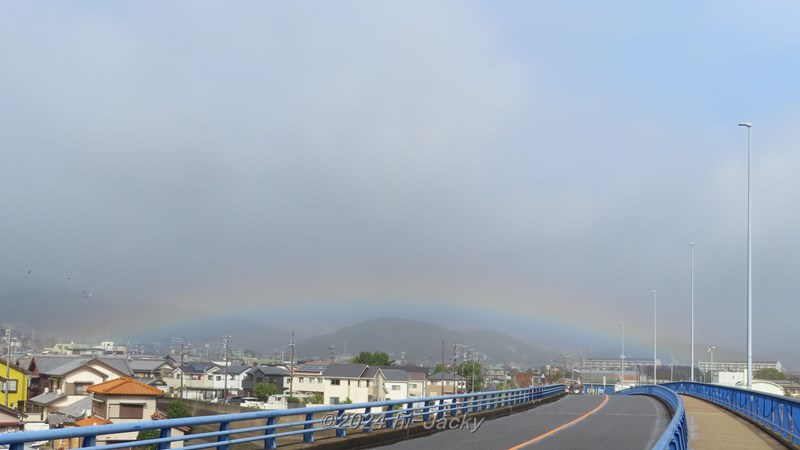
676,436
304,421
779,415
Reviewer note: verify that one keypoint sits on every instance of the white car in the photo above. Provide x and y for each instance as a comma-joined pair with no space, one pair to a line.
252,402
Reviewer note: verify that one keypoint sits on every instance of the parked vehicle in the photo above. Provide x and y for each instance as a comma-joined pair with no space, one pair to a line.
235,400
252,402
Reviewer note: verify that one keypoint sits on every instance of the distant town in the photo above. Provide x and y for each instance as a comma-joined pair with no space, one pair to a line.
72,384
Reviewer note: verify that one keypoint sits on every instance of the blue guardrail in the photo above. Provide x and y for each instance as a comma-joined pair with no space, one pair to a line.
676,435
304,422
776,414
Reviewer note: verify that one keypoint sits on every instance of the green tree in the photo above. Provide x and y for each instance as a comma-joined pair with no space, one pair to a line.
373,359
264,390
472,372
145,435
769,374
177,409
315,399
439,368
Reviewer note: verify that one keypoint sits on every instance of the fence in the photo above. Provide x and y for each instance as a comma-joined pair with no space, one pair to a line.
775,414
301,422
676,435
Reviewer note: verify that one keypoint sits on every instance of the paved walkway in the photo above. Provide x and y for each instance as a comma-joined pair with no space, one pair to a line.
711,427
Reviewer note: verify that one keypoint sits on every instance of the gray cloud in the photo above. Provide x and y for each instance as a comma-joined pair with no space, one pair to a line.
274,156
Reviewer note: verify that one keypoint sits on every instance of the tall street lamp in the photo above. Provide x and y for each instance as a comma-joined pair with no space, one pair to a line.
691,246
711,350
655,311
749,270
622,357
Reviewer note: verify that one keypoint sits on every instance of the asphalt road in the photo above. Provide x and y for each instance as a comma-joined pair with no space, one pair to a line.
574,422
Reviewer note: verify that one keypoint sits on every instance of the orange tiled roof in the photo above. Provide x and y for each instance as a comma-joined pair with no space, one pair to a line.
124,386
91,421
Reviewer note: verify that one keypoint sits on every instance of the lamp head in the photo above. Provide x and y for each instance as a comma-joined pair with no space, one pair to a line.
745,124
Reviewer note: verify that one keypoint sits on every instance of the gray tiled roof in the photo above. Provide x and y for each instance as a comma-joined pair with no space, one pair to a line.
272,370
120,364
345,370
47,363
58,365
46,398
146,365
236,369
78,408
395,375
371,372
447,377
68,367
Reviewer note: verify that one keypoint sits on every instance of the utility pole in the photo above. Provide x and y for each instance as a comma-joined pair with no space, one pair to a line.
443,368
8,364
181,342
455,390
225,352
291,365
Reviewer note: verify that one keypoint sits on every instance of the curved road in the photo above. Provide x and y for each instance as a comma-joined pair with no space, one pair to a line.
574,422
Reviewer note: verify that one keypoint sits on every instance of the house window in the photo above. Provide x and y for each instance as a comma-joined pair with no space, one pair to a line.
211,378
99,409
219,378
10,384
413,385
300,379
335,382
131,411
334,401
80,388
395,387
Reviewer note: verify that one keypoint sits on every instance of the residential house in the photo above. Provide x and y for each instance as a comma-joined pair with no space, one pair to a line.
10,420
122,400
150,368
71,375
206,380
16,385
307,378
417,376
195,379
276,375
395,384
43,405
69,413
444,383
228,381
346,382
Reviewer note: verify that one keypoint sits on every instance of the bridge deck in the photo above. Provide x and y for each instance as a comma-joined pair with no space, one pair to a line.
711,427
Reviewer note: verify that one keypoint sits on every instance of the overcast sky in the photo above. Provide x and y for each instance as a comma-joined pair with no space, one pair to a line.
531,167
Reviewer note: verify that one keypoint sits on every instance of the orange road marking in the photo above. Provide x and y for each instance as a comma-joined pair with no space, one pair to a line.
555,430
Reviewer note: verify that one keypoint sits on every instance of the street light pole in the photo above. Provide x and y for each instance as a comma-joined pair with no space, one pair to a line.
691,246
655,312
711,350
749,270
622,357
